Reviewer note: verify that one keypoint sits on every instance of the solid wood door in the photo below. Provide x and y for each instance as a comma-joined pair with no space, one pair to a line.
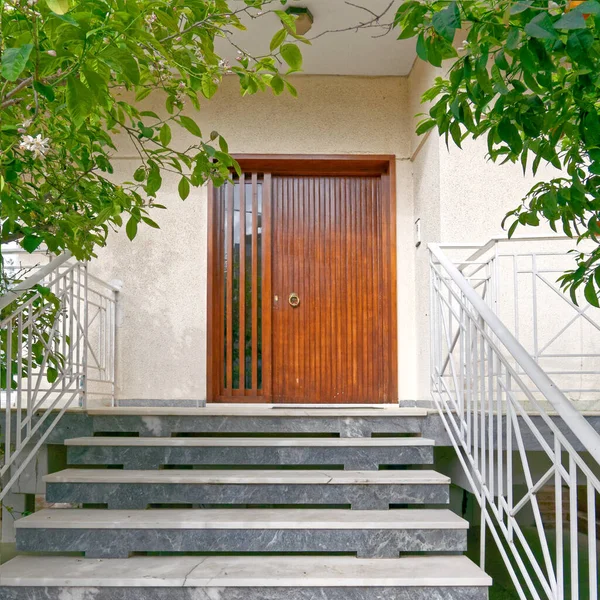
321,228
331,246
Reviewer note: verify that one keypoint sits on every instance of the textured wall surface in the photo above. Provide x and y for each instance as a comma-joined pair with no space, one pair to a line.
162,338
457,195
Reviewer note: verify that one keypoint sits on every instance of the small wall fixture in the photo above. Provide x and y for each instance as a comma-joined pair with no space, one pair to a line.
304,18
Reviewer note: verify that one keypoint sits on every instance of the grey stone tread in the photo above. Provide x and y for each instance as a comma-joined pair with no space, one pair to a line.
243,519
248,477
248,442
267,410
243,571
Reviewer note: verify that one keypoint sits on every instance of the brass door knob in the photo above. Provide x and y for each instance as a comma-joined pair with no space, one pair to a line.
294,300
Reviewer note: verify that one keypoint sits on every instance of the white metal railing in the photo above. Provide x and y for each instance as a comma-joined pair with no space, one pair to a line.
518,281
57,350
493,396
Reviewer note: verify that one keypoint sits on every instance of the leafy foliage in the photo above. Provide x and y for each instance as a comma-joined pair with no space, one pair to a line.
37,344
528,78
73,75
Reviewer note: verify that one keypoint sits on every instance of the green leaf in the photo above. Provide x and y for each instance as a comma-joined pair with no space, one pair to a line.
434,54
513,37
123,62
131,227
51,374
571,20
278,39
589,291
80,101
45,90
292,56
591,7
60,7
421,47
97,85
277,85
209,85
579,43
287,20
165,135
291,89
183,188
520,7
510,134
541,26
591,129
447,21
154,180
140,174
31,242
425,126
14,61
501,62
190,125
150,222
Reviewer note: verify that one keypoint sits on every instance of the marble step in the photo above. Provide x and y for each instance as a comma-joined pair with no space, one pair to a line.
117,533
243,578
359,454
236,419
372,490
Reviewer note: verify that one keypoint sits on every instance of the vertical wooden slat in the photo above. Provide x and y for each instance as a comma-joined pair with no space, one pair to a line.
267,291
242,280
229,301
368,289
377,266
339,299
254,284
389,181
212,264
356,289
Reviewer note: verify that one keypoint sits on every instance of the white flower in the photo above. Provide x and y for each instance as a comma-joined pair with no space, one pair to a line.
26,123
151,18
51,52
38,145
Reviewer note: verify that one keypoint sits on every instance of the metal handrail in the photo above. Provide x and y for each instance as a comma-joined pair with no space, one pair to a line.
77,346
478,372
39,275
587,435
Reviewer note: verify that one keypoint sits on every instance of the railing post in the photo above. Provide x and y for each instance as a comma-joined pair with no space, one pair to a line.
84,266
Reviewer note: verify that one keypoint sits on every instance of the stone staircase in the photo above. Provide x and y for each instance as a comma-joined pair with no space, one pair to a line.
247,503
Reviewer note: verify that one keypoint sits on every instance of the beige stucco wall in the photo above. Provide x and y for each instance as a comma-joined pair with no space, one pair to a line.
162,336
457,195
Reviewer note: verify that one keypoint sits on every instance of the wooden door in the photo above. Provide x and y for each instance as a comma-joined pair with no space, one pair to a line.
329,248
303,304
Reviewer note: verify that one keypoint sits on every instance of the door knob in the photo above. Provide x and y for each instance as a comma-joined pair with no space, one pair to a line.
294,300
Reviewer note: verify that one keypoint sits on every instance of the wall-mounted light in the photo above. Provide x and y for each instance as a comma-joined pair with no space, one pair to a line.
304,18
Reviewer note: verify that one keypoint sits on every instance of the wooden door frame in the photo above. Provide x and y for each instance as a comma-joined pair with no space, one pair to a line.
383,165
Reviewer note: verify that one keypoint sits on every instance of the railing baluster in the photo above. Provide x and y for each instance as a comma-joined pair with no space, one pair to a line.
592,535
573,528
19,365
9,360
558,518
